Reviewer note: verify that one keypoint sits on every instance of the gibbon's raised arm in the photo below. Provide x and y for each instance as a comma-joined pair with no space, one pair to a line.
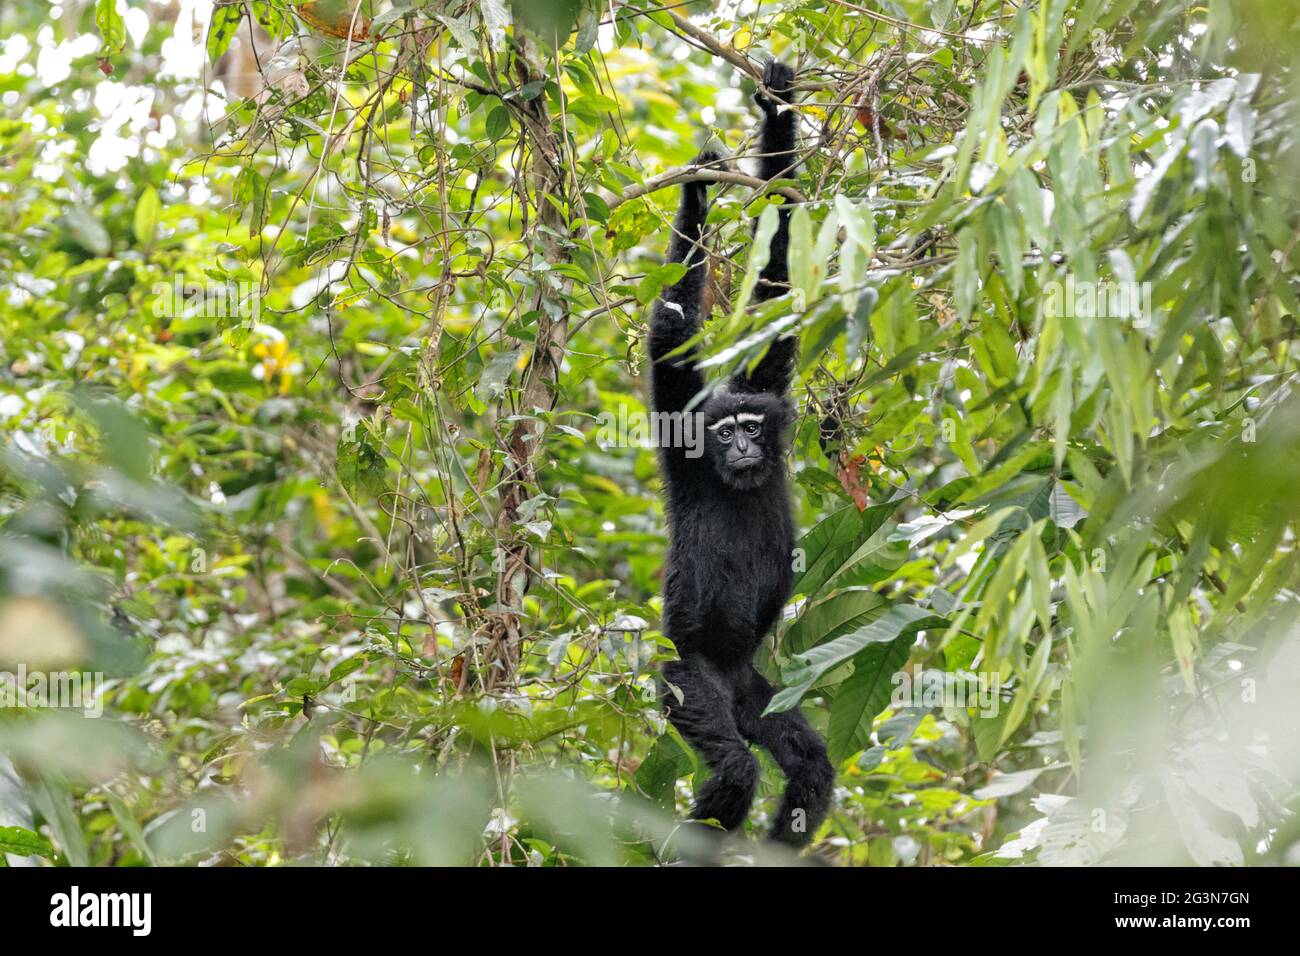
676,316
778,140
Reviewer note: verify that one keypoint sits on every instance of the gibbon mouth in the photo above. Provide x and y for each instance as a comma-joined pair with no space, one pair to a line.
748,461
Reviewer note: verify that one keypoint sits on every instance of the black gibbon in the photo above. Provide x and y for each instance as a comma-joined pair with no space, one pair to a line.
731,531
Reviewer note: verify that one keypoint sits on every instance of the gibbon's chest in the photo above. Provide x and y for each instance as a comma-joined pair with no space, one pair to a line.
736,548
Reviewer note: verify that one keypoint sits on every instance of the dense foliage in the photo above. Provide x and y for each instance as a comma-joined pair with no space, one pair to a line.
321,342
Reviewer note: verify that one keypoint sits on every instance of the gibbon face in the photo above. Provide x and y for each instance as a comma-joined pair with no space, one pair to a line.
744,436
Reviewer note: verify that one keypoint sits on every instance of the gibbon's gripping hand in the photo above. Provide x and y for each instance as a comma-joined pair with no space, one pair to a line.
708,158
688,228
779,80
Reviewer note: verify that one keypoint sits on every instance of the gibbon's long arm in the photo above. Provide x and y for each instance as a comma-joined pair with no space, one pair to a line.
777,142
676,316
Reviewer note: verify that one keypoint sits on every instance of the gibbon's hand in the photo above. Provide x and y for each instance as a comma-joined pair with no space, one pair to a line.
779,80
709,158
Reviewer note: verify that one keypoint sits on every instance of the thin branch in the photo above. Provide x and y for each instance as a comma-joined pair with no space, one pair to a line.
701,174
716,46
908,25
734,56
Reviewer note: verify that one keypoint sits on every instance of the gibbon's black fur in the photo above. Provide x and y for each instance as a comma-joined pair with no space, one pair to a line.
731,532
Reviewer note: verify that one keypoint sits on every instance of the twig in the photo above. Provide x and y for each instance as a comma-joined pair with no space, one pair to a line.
716,46
699,174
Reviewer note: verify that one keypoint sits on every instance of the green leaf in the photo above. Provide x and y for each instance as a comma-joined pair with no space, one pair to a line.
145,222
1009,241
841,612
1029,685
667,762
859,227
361,466
1145,189
656,279
111,25
588,30
21,842
863,695
129,826
988,735
495,17
1202,835
252,189
492,382
802,277
1009,784
846,541
966,270
52,799
1204,152
222,29
859,322
497,123
759,253
460,31
900,621
343,668
87,231
1212,771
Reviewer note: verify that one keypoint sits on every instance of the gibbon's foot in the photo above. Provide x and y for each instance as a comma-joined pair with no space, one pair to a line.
779,80
705,717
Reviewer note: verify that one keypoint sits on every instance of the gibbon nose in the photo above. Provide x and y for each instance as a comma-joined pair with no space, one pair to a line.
743,454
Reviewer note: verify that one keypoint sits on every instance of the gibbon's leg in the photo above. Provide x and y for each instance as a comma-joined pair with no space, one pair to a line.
705,718
801,755
676,316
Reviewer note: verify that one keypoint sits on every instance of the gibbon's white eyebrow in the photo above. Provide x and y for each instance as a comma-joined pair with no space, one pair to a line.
740,418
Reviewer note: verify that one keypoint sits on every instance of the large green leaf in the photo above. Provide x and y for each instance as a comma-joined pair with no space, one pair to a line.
836,614
863,695
849,544
663,766
902,620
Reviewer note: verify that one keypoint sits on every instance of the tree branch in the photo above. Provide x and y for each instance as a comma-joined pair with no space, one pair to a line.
732,55
544,172
716,46
700,174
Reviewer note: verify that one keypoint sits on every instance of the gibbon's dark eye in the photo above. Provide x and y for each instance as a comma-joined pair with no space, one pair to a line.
751,428
724,434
